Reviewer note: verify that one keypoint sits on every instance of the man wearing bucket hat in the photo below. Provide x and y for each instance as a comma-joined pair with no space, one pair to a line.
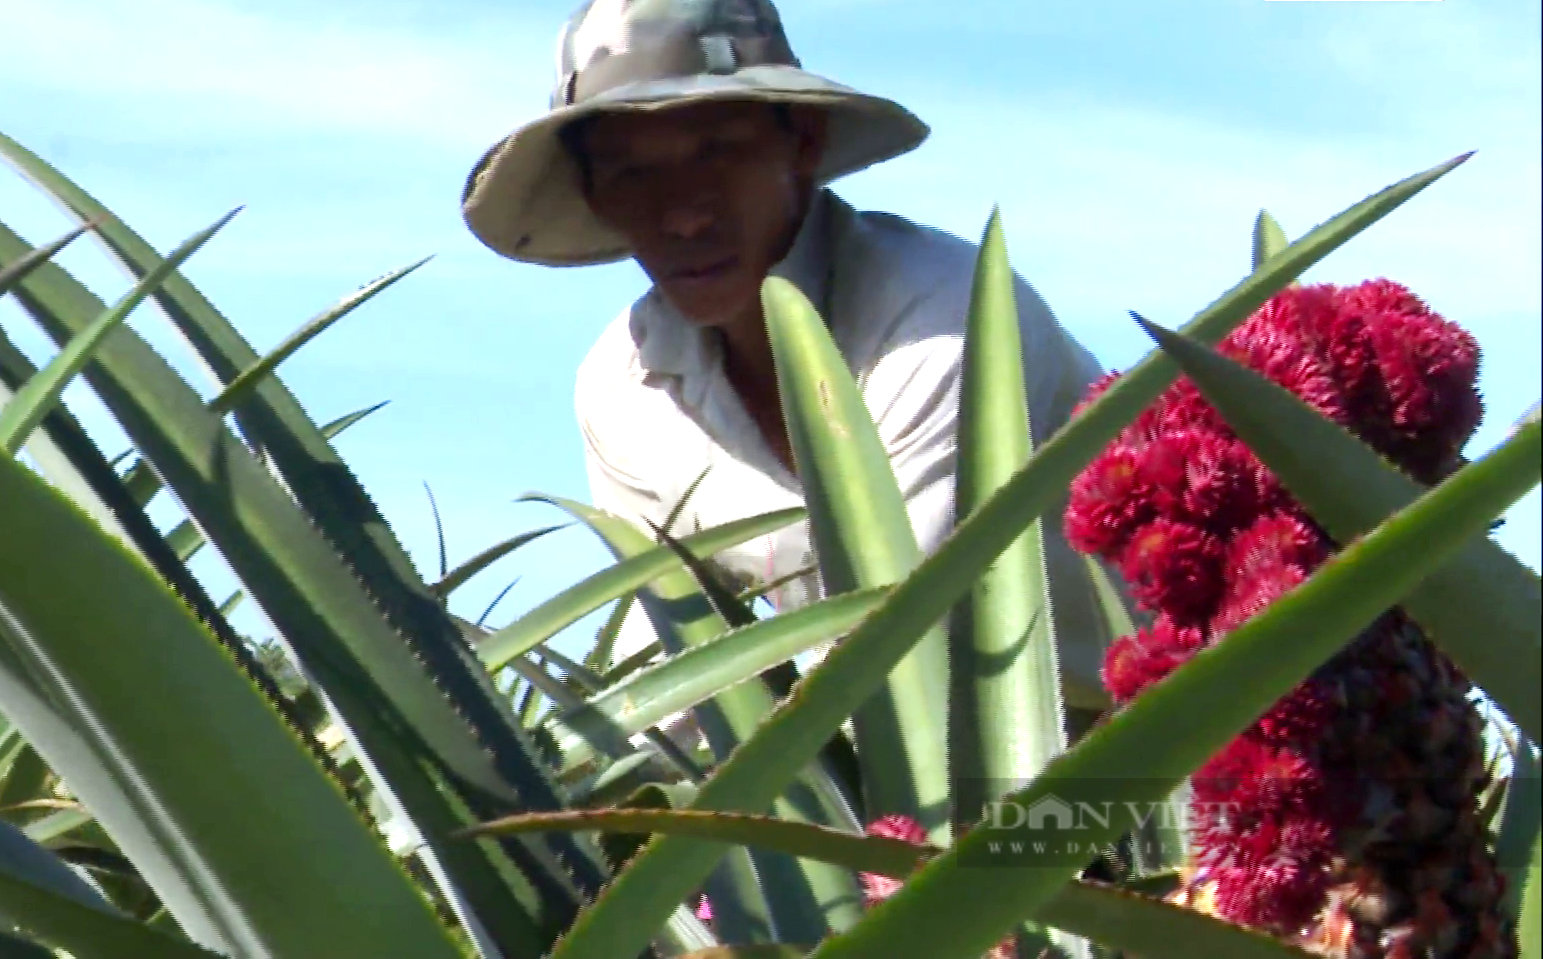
685,134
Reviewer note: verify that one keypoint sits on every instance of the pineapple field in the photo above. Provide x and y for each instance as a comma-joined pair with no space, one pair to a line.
1323,702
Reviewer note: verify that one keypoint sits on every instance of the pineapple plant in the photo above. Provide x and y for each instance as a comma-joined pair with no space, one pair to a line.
414,783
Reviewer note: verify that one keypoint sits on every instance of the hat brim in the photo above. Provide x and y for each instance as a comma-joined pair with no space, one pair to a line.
524,199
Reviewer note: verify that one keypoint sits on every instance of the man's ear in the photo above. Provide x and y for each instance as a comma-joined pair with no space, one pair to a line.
809,130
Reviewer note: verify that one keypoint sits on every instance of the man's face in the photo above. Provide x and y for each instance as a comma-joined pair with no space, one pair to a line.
707,196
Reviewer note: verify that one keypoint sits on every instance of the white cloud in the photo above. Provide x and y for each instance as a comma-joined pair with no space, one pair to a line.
1116,205
1109,205
1111,208
197,68
1414,50
349,139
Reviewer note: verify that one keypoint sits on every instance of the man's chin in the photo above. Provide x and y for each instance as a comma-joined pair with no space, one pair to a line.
708,307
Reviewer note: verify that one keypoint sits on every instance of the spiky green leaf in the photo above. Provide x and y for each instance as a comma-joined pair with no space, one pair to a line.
143,770
1002,640
802,900
618,580
33,401
697,674
327,620
457,577
1520,823
24,857
1530,926
232,394
863,538
86,933
1006,715
16,272
1269,238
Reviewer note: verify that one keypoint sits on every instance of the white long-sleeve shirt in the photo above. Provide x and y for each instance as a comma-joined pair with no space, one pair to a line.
657,410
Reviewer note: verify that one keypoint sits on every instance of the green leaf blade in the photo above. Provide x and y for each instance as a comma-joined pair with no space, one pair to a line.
33,401
863,539
1521,823
17,271
1009,716
342,514
24,857
694,675
801,899
85,932
1530,925
458,577
53,551
875,854
332,626
579,600
1269,238
232,395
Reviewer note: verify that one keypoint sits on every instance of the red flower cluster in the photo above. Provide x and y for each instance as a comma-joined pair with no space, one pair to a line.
1206,537
878,888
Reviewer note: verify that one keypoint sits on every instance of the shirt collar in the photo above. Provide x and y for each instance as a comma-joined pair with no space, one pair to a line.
669,344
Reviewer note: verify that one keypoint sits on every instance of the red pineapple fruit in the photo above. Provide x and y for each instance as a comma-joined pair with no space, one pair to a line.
1347,818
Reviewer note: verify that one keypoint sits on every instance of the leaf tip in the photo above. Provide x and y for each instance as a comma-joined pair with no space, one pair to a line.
994,238
1162,336
778,293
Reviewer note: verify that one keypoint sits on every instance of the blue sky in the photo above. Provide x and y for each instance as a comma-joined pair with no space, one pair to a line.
1129,146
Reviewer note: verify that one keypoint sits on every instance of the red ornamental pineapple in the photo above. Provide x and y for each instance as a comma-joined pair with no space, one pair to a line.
1347,818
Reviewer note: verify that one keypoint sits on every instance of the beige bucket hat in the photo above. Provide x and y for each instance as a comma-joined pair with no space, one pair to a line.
524,198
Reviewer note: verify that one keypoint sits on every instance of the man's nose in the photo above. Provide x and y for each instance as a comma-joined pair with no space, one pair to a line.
687,220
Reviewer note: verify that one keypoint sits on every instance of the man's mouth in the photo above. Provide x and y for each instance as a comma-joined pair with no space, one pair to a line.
710,270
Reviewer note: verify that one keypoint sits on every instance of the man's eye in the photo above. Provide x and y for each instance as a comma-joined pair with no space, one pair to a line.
720,146
617,172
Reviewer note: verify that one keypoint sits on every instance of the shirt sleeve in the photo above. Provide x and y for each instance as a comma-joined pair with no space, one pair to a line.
1057,369
614,483
612,487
